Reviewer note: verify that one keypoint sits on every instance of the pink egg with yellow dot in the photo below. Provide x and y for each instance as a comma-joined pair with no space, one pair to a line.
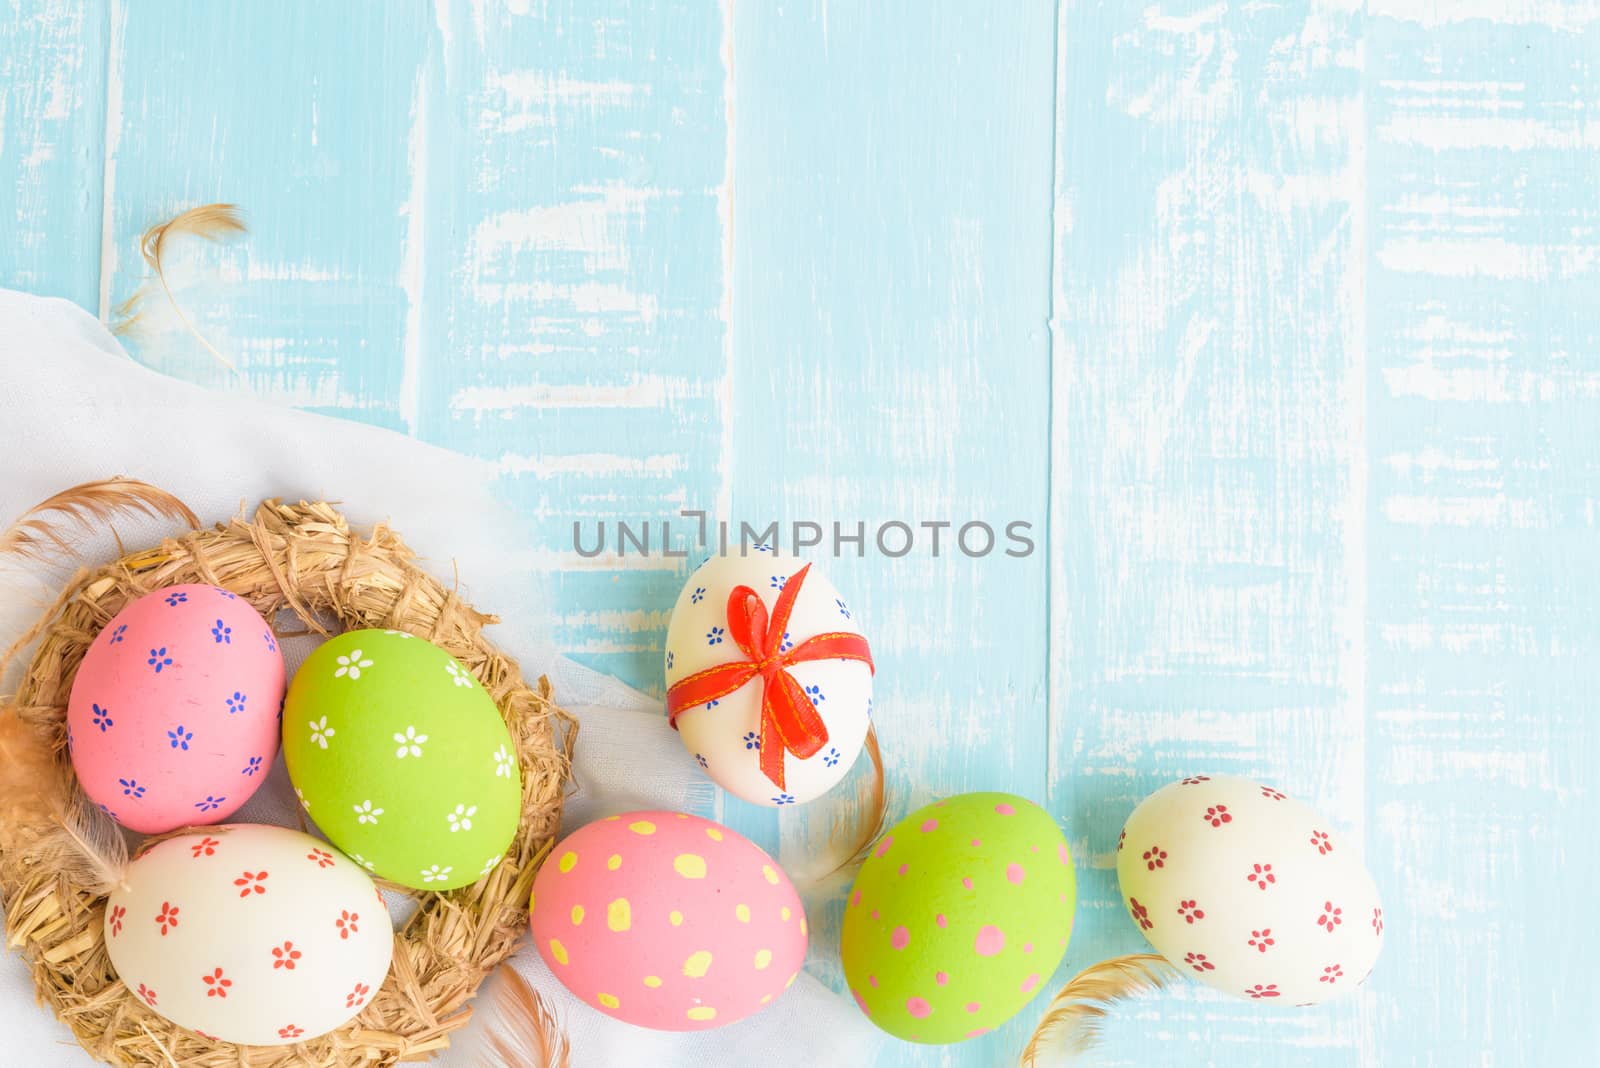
667,921
174,713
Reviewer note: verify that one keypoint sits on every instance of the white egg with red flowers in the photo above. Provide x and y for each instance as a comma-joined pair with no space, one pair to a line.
820,660
1250,891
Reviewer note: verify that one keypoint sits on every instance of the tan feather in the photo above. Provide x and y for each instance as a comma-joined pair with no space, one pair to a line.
1072,1024
214,222
45,819
521,1031
862,823
83,506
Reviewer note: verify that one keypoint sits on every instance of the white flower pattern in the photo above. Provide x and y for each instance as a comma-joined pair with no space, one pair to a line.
303,802
321,732
461,818
351,665
459,675
503,763
489,865
365,813
361,860
436,874
400,633
411,743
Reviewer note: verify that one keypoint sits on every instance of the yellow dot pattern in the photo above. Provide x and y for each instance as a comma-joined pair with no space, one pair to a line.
802,925
619,915
642,827
702,1012
577,915
613,862
569,860
743,912
769,875
763,958
652,981
689,865
675,918
610,1001
765,998
714,834
697,965
792,978
785,913
558,951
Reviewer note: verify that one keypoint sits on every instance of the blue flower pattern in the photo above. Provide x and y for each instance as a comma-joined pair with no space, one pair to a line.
272,643
698,595
669,660
226,593
785,645
179,738
117,634
752,740
252,767
102,717
175,599
762,547
131,788
714,636
210,804
844,609
222,633
236,703
778,581
783,799
702,760
159,659
815,693
831,757
713,703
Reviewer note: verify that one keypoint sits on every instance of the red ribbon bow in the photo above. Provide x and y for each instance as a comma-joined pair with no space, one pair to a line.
789,722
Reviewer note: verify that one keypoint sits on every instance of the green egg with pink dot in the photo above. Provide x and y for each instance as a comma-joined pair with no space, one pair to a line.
959,917
402,759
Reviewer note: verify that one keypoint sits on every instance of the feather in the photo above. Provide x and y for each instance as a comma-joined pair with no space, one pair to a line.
1072,1023
210,221
521,1031
43,819
83,506
858,824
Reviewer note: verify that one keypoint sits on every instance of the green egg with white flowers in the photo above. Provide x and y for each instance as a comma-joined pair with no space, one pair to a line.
402,759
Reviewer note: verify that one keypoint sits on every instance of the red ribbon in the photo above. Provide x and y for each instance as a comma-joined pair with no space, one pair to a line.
789,722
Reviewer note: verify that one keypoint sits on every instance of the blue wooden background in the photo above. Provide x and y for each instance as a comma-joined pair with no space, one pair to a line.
1277,321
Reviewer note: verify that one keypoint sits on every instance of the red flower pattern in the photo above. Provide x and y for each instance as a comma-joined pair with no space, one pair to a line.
206,847
1123,837
207,1036
1198,962
347,923
1141,915
1189,912
168,917
248,881
1196,780
1321,841
1217,815
1262,939
1262,876
357,997
216,985
1331,974
291,1031
117,912
1155,857
148,995
1331,917
1273,795
284,956
323,858
1377,921
1259,991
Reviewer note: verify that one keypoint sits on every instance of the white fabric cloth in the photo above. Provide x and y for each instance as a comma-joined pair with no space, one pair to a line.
74,407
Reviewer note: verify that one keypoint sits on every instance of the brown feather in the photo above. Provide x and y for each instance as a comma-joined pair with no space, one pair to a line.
84,506
42,815
213,222
521,1031
861,824
1072,1024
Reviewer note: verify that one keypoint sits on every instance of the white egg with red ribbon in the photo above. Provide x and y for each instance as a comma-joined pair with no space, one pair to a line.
769,677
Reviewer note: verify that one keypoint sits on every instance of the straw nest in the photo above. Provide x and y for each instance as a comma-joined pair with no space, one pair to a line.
303,558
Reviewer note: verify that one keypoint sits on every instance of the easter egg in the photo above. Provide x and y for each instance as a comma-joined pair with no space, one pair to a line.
959,915
1250,891
402,759
173,717
772,737
667,921
250,934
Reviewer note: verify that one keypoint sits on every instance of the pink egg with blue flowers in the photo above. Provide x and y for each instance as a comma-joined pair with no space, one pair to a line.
174,714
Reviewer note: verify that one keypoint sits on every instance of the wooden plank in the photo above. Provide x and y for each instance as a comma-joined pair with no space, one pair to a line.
52,142
1208,540
891,205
